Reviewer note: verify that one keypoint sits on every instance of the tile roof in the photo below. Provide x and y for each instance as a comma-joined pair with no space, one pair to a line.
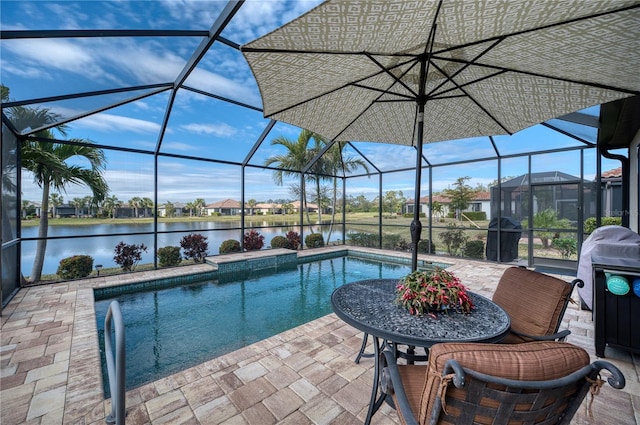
616,172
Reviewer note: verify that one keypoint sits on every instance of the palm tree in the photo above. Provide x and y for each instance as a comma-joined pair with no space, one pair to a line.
77,204
56,200
90,202
147,203
48,163
110,205
135,203
169,209
199,205
25,207
286,207
548,219
335,162
437,209
251,203
299,154
190,206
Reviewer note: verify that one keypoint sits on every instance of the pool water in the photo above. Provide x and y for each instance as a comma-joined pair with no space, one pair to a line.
172,329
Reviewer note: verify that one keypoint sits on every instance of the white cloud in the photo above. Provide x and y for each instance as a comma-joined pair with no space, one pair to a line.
148,62
25,71
217,84
388,157
177,146
109,123
59,54
196,14
221,130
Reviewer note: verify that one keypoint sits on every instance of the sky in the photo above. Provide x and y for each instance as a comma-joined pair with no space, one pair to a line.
200,126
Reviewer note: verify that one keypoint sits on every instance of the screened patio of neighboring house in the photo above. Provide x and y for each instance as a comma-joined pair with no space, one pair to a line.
165,96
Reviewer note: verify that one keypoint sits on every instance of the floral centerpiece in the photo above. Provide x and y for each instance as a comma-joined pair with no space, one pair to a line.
427,292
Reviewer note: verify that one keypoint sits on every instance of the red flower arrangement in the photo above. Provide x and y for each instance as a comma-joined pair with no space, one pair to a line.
427,292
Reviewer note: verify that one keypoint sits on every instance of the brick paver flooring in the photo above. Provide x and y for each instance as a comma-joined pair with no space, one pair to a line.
50,367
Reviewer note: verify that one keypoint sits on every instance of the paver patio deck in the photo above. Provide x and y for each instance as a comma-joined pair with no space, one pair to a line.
50,366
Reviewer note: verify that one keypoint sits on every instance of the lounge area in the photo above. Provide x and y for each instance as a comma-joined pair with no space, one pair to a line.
306,375
198,141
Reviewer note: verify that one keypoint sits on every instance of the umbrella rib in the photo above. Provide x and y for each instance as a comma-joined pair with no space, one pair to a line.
466,65
388,72
441,95
351,83
248,49
537,74
474,101
383,91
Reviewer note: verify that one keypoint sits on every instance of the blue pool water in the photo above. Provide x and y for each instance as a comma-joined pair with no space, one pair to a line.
172,329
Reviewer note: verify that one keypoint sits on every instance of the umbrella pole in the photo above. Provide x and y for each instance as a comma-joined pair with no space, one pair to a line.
416,226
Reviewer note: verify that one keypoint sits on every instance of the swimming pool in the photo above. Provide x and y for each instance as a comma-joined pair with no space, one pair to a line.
172,329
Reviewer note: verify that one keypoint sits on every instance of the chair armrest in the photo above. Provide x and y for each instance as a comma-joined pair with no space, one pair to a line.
390,383
616,380
559,336
578,282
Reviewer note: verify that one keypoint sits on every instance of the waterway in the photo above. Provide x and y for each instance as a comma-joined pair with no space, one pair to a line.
101,248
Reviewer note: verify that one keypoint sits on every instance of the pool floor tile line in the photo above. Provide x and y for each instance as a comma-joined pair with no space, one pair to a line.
50,366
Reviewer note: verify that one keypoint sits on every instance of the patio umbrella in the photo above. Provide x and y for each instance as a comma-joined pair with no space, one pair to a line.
414,72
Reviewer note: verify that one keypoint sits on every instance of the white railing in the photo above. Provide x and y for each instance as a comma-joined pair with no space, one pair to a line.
115,363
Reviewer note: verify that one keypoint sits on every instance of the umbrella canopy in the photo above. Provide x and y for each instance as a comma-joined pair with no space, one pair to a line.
413,72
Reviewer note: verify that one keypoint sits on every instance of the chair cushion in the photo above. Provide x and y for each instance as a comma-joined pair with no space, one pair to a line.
534,301
413,379
532,361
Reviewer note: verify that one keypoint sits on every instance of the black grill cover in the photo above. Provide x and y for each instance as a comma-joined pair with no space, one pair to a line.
508,239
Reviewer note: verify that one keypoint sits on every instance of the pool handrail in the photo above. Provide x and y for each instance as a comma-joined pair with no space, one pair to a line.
115,371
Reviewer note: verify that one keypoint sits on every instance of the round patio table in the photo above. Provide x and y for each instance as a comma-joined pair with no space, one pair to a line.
368,305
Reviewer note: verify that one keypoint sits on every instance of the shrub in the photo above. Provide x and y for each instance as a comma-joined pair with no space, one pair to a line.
169,256
314,240
279,242
454,239
566,246
253,240
368,240
590,223
410,215
403,245
474,249
475,215
128,255
75,267
195,246
424,245
394,242
547,219
230,245
294,239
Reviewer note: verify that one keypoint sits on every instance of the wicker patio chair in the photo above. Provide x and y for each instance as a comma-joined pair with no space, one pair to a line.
542,382
535,302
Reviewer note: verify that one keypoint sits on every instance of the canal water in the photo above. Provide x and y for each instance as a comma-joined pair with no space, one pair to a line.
102,248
